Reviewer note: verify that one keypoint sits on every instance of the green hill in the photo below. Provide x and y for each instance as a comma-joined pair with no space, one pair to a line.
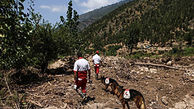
158,21
90,17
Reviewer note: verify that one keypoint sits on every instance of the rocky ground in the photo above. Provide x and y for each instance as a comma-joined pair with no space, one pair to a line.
164,83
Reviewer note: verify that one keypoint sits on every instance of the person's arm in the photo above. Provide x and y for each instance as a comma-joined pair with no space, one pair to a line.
100,60
75,70
76,76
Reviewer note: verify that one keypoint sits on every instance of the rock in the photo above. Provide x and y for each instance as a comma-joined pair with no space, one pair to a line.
148,77
180,105
95,106
189,100
164,100
188,103
153,70
169,63
145,69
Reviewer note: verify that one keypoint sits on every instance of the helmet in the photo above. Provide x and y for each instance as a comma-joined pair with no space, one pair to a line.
97,52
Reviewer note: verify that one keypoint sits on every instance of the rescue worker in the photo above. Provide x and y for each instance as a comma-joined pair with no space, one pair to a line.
97,60
81,69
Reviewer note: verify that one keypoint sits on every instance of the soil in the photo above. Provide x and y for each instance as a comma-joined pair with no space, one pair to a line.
163,85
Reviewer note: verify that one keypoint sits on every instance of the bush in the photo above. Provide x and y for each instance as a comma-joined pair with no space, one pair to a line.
112,50
175,52
138,55
189,51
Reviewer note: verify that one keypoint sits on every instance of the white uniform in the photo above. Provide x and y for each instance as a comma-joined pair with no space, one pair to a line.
96,59
81,65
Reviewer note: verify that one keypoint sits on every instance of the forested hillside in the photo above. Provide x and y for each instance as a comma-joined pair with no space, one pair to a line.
90,17
158,21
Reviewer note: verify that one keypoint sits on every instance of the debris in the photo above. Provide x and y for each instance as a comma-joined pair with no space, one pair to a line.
164,100
169,63
154,80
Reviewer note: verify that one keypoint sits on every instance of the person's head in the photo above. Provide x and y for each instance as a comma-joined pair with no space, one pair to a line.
79,54
97,52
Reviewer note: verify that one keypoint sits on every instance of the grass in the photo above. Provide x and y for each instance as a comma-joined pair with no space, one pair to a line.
189,51
175,52
139,55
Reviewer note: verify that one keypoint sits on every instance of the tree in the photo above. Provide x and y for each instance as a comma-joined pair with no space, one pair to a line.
69,20
44,48
15,29
132,35
71,24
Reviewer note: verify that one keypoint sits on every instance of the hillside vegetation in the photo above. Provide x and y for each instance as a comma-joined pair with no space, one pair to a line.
157,21
90,17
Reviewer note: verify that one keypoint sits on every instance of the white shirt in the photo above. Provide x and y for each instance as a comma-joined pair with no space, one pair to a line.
96,59
81,65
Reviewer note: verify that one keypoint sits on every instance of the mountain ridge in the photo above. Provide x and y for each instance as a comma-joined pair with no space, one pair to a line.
91,16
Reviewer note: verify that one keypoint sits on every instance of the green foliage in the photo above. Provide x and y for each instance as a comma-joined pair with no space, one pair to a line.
158,21
139,55
189,37
27,40
176,52
132,35
88,18
44,47
112,50
189,51
15,28
69,15
68,32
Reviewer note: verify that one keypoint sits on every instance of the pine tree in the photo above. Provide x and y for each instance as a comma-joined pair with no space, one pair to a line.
71,24
69,20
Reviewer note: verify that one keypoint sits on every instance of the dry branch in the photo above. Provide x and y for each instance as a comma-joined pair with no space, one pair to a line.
35,103
8,88
157,65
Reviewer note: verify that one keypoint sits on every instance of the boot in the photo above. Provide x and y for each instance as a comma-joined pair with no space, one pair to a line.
96,76
83,95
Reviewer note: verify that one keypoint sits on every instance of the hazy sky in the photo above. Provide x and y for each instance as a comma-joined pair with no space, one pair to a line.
51,10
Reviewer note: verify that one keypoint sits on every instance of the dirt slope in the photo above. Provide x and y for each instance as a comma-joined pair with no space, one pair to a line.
170,87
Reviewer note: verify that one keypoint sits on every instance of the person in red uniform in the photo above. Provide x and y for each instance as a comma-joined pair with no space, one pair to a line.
81,69
97,60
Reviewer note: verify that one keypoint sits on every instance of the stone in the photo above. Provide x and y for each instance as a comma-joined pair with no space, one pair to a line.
180,105
164,100
169,63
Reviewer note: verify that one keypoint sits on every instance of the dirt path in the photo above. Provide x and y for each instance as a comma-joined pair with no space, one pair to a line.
162,88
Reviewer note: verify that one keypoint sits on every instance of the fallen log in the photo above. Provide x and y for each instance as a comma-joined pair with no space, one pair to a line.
157,65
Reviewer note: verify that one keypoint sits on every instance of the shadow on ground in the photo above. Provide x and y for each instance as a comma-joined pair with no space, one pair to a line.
27,78
84,102
59,71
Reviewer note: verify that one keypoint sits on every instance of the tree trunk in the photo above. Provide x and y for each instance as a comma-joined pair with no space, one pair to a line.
44,67
131,49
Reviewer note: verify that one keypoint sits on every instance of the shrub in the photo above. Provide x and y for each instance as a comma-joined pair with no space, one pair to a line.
112,50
